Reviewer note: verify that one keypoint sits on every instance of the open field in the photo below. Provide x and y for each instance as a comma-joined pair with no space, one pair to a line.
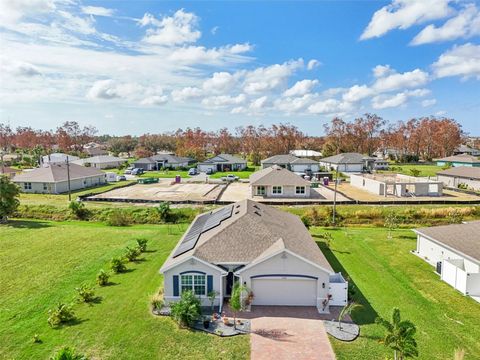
42,262
388,276
425,170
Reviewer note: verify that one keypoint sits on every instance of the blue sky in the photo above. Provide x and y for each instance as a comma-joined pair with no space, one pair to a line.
131,67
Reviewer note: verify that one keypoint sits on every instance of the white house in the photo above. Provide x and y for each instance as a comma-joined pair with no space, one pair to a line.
222,162
162,161
268,250
291,162
278,182
101,162
454,251
57,158
53,179
346,162
461,175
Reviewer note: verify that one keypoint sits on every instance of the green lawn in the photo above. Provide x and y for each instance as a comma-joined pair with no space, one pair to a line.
425,170
42,262
169,174
388,276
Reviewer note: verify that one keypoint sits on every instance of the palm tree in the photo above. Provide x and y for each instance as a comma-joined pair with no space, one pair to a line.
347,310
399,336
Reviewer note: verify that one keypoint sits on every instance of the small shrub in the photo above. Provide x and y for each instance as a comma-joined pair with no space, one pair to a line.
118,265
187,310
118,218
85,293
36,339
67,353
156,301
132,254
78,209
61,314
102,278
142,245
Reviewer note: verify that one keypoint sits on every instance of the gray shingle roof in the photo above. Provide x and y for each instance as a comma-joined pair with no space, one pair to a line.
465,158
225,159
171,159
99,159
251,232
345,158
57,173
276,175
462,171
463,238
279,159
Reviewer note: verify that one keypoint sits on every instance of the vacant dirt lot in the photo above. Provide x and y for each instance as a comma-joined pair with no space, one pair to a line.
164,191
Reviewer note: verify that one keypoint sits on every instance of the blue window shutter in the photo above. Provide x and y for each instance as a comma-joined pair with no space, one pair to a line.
175,285
209,283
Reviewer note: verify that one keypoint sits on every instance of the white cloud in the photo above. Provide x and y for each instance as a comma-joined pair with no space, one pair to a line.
110,89
395,81
382,70
214,30
259,103
301,88
296,104
312,64
97,11
465,24
219,82
396,100
401,14
240,48
186,93
18,68
238,110
329,106
224,100
463,60
357,93
155,100
181,28
12,11
429,102
201,54
271,77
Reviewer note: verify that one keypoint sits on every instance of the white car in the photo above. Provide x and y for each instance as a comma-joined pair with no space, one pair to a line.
230,178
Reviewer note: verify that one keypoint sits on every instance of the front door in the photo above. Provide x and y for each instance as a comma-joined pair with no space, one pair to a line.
228,290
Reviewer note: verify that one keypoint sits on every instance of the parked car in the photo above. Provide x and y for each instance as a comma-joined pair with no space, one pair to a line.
209,171
137,171
230,178
121,178
128,171
192,171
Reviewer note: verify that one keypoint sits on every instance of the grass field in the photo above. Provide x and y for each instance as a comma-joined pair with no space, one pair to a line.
42,262
388,276
425,170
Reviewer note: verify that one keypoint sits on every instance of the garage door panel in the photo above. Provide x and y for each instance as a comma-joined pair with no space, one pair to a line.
292,292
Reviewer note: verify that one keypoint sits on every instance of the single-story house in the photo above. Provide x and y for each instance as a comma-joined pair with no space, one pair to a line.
57,158
459,160
465,149
397,185
348,162
223,162
306,153
266,249
53,179
95,151
276,181
162,161
292,163
454,251
453,177
101,162
381,164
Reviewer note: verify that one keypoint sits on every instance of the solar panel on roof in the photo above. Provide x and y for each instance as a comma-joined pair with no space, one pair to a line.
203,223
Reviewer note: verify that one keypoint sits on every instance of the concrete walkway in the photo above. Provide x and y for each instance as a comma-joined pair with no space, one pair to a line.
288,333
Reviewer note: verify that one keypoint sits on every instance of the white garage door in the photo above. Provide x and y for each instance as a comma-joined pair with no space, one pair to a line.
293,291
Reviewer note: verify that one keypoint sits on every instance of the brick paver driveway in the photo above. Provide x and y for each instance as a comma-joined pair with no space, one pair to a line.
288,333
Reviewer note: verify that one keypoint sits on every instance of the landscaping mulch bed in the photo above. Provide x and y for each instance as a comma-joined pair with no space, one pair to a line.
349,331
217,327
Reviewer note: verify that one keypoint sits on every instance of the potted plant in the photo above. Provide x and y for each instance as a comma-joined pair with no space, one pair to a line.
225,319
215,316
206,322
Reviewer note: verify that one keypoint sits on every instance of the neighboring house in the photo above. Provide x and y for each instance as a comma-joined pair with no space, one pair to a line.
162,161
8,171
454,251
292,163
459,160
348,162
380,164
53,179
101,162
465,149
388,153
57,158
268,250
278,182
396,185
306,153
95,151
453,177
223,162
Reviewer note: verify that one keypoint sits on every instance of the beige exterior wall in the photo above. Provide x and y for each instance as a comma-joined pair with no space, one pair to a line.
453,182
62,186
287,192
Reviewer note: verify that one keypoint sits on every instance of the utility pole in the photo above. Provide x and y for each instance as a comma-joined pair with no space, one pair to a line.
68,179
335,197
